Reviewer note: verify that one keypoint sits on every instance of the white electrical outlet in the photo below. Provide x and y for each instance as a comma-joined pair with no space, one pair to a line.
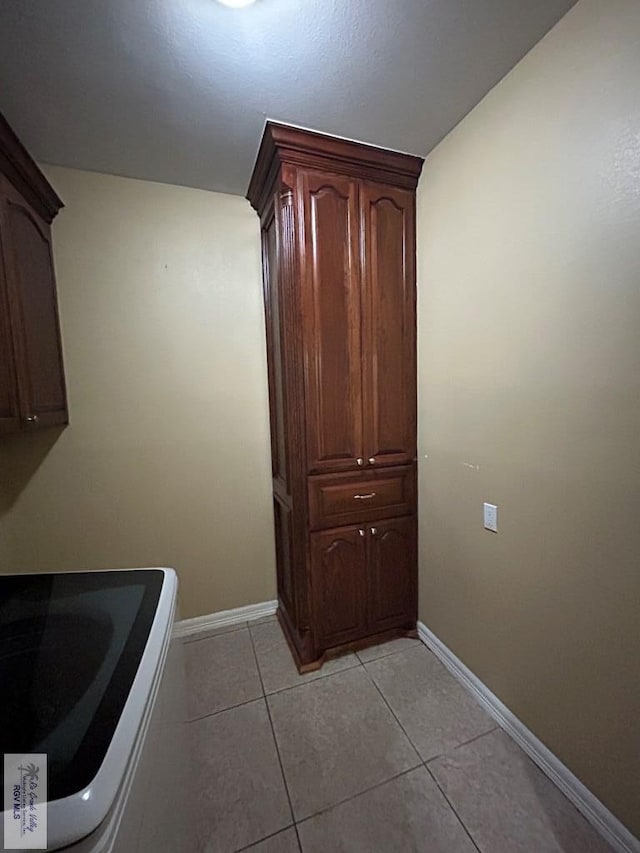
491,517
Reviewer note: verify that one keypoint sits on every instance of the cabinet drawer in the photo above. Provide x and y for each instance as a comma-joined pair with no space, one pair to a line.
336,499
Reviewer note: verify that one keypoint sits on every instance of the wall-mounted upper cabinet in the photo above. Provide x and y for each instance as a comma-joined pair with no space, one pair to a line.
32,387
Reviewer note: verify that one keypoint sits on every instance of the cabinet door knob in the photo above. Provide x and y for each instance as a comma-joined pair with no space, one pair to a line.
32,419
374,530
372,460
361,532
366,497
360,461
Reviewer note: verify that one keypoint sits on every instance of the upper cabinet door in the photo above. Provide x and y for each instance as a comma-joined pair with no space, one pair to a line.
331,308
9,412
275,349
388,324
26,241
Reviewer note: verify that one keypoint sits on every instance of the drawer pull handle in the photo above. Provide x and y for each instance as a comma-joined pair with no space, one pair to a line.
366,497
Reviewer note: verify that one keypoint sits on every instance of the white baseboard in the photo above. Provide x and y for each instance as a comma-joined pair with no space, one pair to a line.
200,624
598,815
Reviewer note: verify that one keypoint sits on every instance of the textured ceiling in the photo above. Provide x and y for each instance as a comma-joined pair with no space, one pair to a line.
178,90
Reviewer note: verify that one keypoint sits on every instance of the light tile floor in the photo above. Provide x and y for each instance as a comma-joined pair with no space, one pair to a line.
379,752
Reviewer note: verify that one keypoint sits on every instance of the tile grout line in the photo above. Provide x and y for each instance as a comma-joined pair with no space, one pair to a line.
461,822
473,739
393,713
359,794
389,654
232,628
423,763
200,717
359,664
460,745
313,680
215,632
346,799
275,742
254,844
265,695
222,710
310,680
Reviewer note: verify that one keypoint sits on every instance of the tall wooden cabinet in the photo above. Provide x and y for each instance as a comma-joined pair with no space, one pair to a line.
338,237
32,386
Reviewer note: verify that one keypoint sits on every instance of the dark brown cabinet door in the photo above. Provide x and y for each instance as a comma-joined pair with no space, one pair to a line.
331,308
9,412
339,567
392,573
284,563
26,242
388,324
275,349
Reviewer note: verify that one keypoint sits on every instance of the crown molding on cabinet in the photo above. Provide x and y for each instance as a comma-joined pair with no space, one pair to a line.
284,145
18,166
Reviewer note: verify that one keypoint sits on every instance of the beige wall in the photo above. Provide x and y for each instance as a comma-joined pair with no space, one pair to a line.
166,461
529,311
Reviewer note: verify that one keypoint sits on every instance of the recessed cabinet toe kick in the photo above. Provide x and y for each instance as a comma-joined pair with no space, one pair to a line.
338,240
